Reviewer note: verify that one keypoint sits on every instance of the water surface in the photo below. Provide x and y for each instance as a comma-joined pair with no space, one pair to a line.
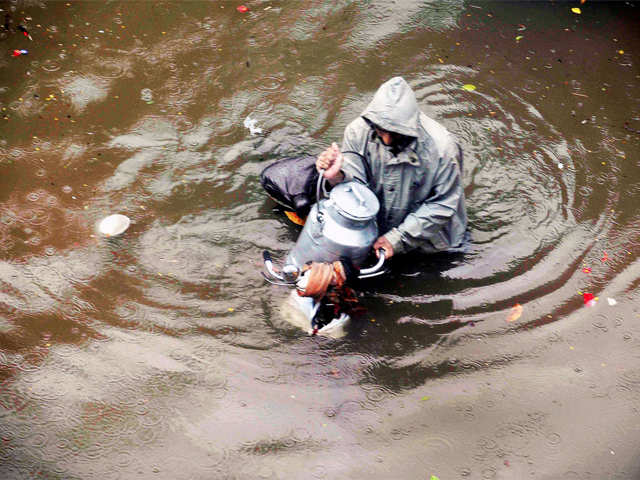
164,354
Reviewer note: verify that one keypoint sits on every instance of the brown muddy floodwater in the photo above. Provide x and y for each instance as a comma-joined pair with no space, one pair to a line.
164,354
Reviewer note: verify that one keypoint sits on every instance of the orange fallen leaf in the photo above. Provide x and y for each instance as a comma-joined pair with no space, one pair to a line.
294,218
515,313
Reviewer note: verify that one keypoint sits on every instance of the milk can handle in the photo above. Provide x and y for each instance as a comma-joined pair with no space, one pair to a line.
358,196
319,188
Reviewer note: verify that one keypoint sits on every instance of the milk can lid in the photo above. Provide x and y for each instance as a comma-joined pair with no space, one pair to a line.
354,200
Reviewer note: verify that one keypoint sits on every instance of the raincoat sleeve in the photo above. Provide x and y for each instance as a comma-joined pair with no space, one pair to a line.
353,150
425,224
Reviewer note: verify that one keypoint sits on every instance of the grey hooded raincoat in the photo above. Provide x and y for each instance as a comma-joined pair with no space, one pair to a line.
420,188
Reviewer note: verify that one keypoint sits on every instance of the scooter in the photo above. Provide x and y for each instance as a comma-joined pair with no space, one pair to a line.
340,229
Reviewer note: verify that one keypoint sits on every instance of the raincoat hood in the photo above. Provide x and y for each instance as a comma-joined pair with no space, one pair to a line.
394,108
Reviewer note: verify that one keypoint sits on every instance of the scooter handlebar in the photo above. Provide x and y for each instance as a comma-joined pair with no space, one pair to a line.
376,269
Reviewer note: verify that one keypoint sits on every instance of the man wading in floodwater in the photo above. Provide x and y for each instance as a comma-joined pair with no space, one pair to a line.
412,164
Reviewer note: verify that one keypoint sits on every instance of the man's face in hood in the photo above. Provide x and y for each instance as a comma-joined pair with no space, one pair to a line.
396,141
388,138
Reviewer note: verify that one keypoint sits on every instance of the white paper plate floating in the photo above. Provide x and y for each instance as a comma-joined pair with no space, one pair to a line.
114,225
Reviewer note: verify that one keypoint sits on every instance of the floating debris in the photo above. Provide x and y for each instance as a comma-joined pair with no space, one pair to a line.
576,10
611,301
516,312
17,53
469,87
114,225
146,95
589,299
24,31
250,123
242,8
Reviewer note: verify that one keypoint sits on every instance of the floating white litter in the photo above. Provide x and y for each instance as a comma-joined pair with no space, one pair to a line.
250,123
611,301
114,225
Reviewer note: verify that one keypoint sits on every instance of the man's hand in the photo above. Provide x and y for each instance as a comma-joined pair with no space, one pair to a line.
331,162
383,243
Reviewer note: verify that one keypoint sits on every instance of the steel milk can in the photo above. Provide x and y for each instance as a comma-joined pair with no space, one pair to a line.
343,225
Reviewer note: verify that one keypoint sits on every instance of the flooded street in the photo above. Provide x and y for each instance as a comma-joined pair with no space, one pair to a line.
164,354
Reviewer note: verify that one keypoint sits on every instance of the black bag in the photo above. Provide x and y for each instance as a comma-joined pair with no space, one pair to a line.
292,183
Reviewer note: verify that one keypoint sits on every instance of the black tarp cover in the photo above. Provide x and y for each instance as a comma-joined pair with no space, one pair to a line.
292,183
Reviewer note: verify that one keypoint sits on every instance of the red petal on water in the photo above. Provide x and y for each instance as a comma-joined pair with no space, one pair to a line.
589,299
586,269
243,9
605,257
